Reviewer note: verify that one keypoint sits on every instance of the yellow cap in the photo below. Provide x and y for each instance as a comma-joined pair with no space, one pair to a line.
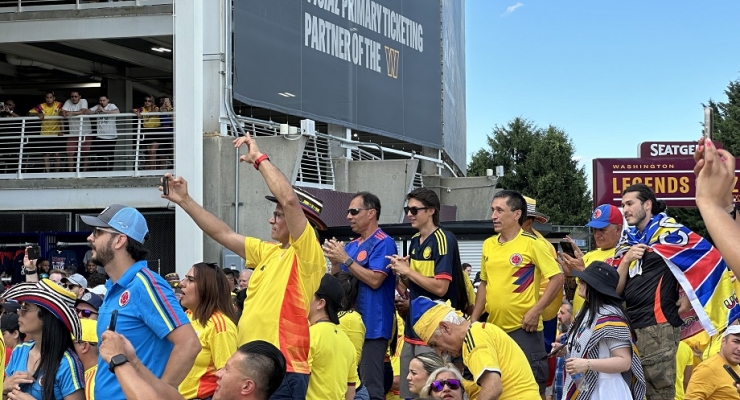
426,316
89,331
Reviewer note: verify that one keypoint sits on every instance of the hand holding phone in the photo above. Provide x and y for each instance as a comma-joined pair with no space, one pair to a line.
568,248
555,350
165,185
113,320
34,253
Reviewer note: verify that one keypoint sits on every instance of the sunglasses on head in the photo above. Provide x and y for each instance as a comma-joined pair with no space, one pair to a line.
84,313
438,386
355,211
413,210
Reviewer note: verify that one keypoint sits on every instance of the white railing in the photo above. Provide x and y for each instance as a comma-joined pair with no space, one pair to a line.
7,6
316,168
97,145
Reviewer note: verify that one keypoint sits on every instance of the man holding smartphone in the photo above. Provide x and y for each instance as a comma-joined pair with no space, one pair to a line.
606,222
286,273
148,313
709,380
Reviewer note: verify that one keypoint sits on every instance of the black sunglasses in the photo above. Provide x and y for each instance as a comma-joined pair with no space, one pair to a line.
84,313
438,386
355,211
413,210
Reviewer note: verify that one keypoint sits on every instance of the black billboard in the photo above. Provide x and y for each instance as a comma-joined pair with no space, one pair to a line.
374,66
453,79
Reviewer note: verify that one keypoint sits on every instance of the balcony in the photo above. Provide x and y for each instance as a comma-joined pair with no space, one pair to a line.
89,146
8,6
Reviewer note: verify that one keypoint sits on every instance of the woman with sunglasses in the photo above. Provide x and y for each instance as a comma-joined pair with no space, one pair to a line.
601,362
206,296
445,383
46,366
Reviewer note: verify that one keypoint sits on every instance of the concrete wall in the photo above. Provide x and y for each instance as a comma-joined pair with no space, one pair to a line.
390,180
472,195
219,189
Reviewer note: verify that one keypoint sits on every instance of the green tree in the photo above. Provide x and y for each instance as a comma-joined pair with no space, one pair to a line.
538,163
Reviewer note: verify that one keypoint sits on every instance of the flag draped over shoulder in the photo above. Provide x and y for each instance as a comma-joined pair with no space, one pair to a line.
696,264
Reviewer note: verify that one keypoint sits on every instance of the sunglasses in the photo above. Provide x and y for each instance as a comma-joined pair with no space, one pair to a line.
84,313
438,386
355,211
98,231
413,210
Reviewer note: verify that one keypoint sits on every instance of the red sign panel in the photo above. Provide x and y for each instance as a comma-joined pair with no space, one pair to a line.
669,149
672,180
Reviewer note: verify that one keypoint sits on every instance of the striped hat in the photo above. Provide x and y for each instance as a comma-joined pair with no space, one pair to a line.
51,296
532,211
311,205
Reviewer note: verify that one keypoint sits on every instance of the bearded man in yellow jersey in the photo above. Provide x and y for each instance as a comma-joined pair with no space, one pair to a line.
286,274
498,365
513,263
607,224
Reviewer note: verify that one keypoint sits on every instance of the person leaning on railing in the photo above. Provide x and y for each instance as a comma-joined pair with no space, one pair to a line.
52,127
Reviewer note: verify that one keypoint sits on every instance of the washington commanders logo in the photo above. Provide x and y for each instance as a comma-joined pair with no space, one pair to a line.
516,259
427,253
124,299
362,256
597,213
391,60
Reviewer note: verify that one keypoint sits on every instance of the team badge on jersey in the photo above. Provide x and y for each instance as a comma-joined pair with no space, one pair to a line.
124,299
361,256
427,253
516,259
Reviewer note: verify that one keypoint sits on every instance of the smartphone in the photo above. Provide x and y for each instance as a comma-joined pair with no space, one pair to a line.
34,253
708,122
165,185
732,374
556,349
113,320
568,248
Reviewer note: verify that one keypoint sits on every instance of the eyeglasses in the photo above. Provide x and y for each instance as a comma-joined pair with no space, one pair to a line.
84,313
413,210
23,310
277,215
355,211
438,386
97,231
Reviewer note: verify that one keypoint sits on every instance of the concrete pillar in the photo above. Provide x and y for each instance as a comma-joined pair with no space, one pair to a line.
222,187
334,146
390,180
213,53
188,62
429,168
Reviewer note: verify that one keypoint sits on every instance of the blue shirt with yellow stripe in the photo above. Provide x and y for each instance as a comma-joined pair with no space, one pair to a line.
147,312
434,258
69,377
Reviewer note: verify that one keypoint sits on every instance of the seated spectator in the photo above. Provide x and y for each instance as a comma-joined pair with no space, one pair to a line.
445,383
104,146
80,131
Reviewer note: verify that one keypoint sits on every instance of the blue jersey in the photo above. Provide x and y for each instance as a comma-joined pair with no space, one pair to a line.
147,312
375,305
435,258
69,377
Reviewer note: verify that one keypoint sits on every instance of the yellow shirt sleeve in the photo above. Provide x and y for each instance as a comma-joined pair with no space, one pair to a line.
308,250
253,250
223,343
544,260
482,357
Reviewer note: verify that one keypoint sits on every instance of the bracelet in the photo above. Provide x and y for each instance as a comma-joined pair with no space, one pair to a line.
259,160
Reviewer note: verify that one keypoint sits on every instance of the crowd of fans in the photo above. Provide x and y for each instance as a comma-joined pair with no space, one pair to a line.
653,316
57,142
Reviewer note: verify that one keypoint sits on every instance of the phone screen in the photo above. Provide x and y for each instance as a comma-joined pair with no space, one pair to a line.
165,185
568,248
34,253
708,122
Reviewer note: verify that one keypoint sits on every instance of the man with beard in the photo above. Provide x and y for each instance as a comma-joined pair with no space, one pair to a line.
709,380
365,258
148,313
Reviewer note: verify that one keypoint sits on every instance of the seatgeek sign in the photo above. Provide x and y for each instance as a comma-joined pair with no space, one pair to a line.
667,167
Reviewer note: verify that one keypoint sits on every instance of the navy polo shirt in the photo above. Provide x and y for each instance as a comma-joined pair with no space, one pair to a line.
147,312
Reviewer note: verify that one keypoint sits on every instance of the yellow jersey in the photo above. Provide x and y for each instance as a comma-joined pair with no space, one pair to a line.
90,382
487,348
513,271
218,341
279,292
333,363
49,127
684,358
551,311
709,380
593,255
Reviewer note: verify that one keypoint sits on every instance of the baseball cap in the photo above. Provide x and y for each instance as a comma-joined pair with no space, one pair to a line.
99,290
332,291
11,306
604,215
732,330
9,323
126,220
91,299
76,279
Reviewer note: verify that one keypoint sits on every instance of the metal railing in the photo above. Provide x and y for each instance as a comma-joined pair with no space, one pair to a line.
97,145
7,6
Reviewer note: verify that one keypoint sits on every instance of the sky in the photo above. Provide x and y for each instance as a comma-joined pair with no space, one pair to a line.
610,74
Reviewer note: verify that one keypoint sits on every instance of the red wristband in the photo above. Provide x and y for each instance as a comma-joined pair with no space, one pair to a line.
259,160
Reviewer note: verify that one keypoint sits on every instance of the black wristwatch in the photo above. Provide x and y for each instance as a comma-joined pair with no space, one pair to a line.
117,360
349,262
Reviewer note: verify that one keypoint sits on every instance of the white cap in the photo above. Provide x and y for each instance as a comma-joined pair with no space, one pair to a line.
732,330
100,290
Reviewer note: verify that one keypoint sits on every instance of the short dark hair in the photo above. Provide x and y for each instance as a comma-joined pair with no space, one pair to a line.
103,95
51,92
136,250
265,364
429,198
95,280
644,193
74,91
515,201
370,202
